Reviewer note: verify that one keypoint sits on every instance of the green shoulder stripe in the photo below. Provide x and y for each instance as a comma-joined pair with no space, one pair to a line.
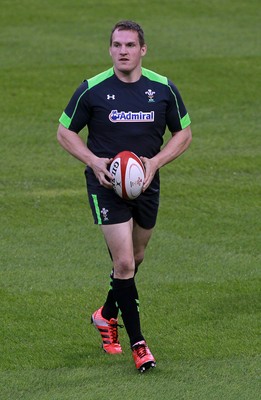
100,78
153,76
185,121
65,120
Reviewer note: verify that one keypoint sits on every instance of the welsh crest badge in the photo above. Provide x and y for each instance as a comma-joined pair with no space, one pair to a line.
150,95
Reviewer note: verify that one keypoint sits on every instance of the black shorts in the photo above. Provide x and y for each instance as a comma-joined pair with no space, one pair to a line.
108,208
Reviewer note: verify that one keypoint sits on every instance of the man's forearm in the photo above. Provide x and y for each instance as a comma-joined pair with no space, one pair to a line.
177,145
74,145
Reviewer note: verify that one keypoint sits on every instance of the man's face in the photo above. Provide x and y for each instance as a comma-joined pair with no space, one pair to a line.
126,51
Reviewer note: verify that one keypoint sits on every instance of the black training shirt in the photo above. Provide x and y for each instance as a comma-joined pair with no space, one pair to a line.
125,116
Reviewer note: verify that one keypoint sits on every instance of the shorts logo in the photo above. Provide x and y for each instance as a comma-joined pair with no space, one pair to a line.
122,116
104,214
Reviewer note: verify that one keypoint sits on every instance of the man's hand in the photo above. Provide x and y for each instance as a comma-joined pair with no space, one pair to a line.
150,170
72,143
100,169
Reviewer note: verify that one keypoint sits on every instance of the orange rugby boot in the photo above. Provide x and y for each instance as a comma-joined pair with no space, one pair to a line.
109,332
142,356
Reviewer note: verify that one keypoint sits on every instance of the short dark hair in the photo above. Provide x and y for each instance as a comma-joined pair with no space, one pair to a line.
127,25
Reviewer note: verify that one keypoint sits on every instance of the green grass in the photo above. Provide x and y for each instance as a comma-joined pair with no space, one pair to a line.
199,286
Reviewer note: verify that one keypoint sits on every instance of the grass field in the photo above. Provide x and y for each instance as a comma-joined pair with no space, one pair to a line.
199,286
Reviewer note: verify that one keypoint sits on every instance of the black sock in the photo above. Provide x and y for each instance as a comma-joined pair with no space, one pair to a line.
126,296
110,309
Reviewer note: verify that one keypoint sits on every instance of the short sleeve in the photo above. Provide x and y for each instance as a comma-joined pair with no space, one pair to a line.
76,114
177,117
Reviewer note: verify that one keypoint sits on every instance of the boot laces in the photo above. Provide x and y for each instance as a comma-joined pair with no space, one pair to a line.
141,350
113,329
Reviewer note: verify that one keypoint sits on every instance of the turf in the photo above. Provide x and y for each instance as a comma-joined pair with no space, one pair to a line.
200,283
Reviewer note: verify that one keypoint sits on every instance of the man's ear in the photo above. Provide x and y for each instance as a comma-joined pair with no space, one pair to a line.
144,50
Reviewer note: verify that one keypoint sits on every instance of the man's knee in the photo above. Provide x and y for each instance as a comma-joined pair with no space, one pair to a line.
124,267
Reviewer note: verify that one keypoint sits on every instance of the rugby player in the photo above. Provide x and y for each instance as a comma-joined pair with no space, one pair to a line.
126,107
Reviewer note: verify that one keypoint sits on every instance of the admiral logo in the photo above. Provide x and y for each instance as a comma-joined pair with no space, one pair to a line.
122,116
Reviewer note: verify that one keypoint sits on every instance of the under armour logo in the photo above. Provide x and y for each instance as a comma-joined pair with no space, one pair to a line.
110,96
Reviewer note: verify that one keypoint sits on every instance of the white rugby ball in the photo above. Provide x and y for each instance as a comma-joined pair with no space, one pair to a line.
128,174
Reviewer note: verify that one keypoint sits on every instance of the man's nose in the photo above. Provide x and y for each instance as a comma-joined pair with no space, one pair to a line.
123,49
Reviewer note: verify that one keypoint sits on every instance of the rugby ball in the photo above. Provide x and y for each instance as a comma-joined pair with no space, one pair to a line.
128,175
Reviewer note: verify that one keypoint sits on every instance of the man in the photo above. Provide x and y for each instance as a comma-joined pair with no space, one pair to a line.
108,104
